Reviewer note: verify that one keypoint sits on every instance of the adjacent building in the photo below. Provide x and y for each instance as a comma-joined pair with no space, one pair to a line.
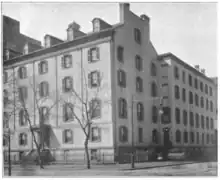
142,102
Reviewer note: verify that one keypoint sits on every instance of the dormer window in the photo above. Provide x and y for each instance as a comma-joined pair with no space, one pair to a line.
25,50
96,25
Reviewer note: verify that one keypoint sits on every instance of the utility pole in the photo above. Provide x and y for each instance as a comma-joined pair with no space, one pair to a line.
9,152
132,131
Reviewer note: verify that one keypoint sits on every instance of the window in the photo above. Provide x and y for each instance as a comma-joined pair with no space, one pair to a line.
184,95
190,97
94,79
67,136
207,138
212,139
139,84
177,113
153,69
185,137
120,53
121,78
96,26
140,135
183,77
140,111
95,108
197,139
68,112
44,114
22,139
43,67
153,89
154,136
201,86
211,106
93,54
190,80
123,134
196,100
211,123
178,136
196,83
67,84
203,138
5,77
5,94
197,120
176,72
192,137
122,108
207,104
22,72
202,121
177,93
210,91
5,141
67,61
191,119
44,89
154,114
207,122
6,120
206,89
95,134
137,35
202,102
185,120
22,118
138,63
22,93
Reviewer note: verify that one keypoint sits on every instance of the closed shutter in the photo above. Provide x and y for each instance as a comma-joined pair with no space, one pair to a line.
46,64
71,60
64,112
39,68
119,78
97,53
62,62
124,79
89,55
89,80
99,132
63,84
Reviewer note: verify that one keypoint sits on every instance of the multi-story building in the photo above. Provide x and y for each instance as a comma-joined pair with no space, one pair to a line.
121,63
191,96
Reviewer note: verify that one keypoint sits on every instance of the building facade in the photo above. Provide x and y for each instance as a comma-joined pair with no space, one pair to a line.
116,67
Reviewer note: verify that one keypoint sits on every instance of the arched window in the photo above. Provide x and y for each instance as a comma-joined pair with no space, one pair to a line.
68,112
153,89
177,92
140,111
22,72
190,97
67,84
23,139
123,134
178,136
122,105
154,136
185,137
154,114
139,84
153,69
207,122
68,136
138,63
197,120
185,120
191,119
43,67
22,118
196,100
177,114
44,89
211,106
207,104
202,122
202,102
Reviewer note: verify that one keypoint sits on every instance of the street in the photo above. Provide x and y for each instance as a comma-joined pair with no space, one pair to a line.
142,169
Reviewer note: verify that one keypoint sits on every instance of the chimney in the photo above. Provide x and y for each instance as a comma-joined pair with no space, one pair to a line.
203,71
123,9
197,67
144,18
73,31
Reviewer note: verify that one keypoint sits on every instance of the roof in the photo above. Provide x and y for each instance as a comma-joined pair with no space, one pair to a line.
179,61
81,40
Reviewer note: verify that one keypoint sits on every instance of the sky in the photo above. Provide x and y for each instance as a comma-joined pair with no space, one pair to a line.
188,30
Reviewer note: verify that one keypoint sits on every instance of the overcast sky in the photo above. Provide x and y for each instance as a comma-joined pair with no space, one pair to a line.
187,30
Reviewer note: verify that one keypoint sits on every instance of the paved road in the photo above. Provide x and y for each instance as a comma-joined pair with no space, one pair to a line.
195,169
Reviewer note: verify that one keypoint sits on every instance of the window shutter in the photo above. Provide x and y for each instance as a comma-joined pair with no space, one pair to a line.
71,60
63,84
64,113
90,80
99,131
71,83
97,53
46,64
64,133
119,77
99,78
62,62
124,79
89,55
39,68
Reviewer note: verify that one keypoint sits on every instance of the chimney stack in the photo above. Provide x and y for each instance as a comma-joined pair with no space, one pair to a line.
123,8
197,67
203,71
73,31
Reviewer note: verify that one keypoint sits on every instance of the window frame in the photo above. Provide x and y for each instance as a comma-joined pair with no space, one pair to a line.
139,84
137,35
123,138
122,106
40,67
94,112
64,84
67,140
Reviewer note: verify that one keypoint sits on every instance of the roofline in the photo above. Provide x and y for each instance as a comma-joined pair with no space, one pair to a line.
80,40
178,60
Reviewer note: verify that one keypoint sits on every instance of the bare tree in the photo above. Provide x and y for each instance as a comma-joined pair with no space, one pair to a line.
84,102
17,100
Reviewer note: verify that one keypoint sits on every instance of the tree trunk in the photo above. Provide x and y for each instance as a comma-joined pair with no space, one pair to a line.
87,152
